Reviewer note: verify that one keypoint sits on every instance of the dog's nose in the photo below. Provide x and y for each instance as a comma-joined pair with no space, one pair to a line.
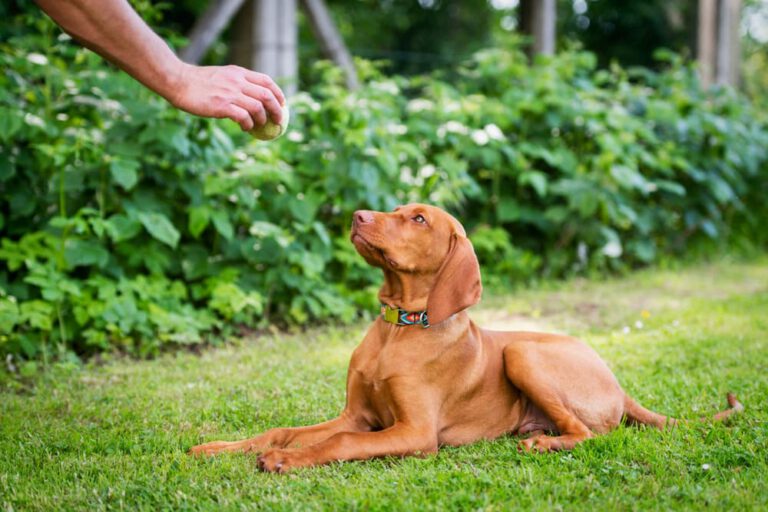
363,217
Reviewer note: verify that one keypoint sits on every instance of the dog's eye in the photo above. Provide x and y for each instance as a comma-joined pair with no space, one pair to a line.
420,219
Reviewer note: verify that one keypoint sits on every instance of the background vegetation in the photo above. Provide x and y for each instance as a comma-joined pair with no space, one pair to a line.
128,225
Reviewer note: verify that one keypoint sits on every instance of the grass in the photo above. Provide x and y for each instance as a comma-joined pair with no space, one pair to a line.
114,436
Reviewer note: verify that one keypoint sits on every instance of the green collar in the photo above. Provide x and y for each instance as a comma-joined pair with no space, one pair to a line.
399,316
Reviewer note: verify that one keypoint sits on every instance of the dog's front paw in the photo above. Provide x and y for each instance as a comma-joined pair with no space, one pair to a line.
278,460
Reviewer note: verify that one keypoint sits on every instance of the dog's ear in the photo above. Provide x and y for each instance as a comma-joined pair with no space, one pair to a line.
457,285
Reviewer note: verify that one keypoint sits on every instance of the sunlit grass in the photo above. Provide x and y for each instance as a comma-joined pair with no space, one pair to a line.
115,436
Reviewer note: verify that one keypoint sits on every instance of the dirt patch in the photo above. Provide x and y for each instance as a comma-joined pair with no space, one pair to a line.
501,320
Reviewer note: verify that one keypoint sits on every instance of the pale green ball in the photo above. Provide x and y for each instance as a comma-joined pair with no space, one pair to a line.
271,130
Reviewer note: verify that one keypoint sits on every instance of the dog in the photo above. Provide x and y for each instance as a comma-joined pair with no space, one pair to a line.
425,375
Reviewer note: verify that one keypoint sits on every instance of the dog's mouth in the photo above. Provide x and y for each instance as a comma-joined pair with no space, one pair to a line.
361,242
369,250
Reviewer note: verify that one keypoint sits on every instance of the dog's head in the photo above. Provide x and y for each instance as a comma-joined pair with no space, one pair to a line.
427,259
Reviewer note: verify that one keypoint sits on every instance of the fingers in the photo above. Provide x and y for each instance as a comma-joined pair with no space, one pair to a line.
232,92
255,109
239,115
265,81
264,97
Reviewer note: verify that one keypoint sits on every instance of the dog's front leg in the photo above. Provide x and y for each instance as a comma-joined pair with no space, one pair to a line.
299,436
401,439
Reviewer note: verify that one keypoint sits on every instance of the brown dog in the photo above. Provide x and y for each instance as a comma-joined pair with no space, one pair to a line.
411,389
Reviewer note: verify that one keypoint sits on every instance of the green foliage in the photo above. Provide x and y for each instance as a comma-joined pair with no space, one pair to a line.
607,168
503,263
128,224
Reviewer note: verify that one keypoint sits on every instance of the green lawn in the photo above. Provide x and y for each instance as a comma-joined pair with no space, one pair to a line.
114,436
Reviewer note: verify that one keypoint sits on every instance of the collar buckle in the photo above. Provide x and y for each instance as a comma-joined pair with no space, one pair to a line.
391,315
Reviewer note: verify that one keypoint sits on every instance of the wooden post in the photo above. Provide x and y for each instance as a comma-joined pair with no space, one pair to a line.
707,40
330,39
728,48
266,37
537,19
265,40
208,27
719,51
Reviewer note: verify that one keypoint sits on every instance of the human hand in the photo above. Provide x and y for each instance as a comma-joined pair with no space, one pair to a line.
231,92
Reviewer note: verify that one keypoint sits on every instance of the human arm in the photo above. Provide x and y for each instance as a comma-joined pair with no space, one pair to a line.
115,31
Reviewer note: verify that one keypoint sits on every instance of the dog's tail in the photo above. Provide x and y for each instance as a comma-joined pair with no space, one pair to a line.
636,414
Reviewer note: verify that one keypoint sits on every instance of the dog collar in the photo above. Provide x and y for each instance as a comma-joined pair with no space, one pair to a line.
399,316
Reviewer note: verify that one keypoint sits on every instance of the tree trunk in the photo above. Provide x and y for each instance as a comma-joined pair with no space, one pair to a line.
728,48
265,40
208,27
537,19
330,39
707,40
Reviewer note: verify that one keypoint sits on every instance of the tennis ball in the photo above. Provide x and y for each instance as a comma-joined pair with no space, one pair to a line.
272,130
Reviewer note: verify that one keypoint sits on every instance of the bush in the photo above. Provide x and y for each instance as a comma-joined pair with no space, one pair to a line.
128,224
602,169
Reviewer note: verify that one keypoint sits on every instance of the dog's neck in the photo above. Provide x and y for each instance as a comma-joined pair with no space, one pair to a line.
406,291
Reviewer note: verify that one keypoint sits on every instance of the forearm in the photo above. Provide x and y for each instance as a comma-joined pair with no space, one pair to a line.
112,29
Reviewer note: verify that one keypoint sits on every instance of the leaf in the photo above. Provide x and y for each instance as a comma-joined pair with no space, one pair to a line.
122,227
222,224
629,178
507,211
304,208
84,253
311,264
322,233
154,256
169,135
9,314
709,228
537,180
645,250
586,203
22,203
671,187
160,227
37,314
194,262
264,229
10,123
228,299
582,195
29,343
124,314
126,148
199,216
297,310
721,189
124,172
7,170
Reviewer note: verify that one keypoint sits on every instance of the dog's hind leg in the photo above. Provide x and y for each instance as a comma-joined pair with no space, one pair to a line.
571,430
567,383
